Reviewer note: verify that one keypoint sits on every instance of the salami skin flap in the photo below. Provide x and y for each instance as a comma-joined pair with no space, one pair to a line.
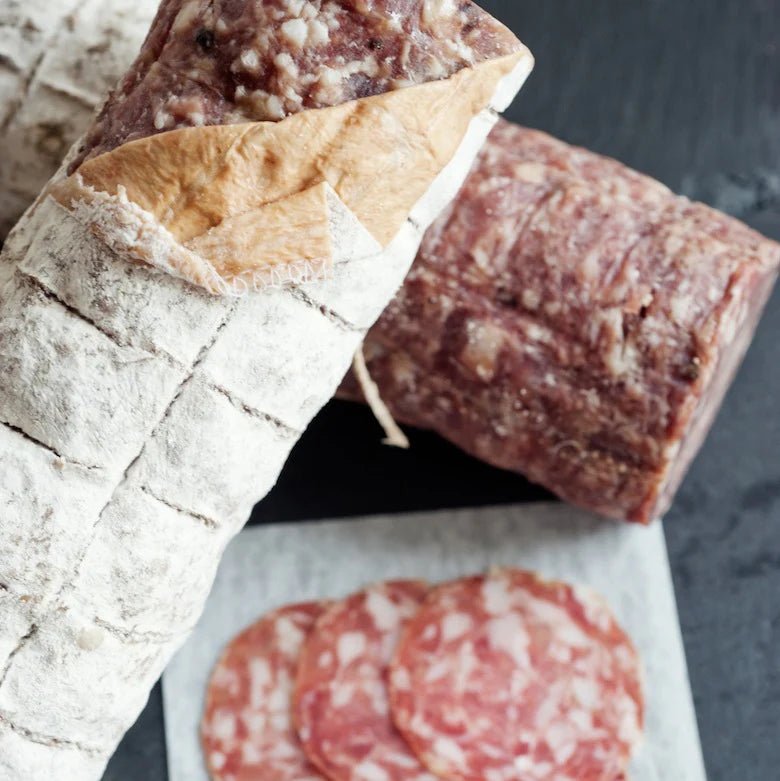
235,208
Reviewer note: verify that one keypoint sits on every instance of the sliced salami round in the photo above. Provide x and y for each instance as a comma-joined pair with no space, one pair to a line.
508,677
341,704
247,730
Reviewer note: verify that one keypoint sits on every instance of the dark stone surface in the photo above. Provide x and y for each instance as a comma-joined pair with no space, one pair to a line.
687,91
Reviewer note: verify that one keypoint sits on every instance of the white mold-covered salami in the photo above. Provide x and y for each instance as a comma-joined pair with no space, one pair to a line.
58,59
506,677
341,704
141,418
247,730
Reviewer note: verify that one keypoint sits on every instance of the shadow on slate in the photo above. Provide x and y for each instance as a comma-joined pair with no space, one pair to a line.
686,91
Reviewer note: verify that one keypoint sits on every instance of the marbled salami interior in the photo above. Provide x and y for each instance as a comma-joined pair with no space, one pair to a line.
211,63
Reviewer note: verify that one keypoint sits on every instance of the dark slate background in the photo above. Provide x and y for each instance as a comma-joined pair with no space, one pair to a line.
689,92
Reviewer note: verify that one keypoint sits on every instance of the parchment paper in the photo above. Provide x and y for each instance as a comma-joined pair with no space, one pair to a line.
272,565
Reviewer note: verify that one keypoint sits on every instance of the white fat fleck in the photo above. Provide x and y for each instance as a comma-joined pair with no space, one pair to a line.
223,725
295,31
562,740
255,721
280,720
250,60
539,333
286,63
433,10
523,763
197,119
384,613
289,636
585,691
401,760
681,306
507,633
318,33
629,729
294,7
240,92
591,265
367,65
496,596
221,26
582,720
259,681
342,694
274,107
429,632
279,696
531,299
455,625
250,754
325,659
448,749
161,119
217,760
565,631
350,646
309,11
329,77
401,679
370,771
559,652
377,692
437,671
623,358
596,610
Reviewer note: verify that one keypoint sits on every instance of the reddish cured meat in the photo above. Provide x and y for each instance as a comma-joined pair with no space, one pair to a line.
506,677
247,730
341,704
207,63
574,321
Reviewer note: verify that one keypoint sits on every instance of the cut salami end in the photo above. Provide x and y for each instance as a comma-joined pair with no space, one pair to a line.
506,676
247,730
341,705
582,323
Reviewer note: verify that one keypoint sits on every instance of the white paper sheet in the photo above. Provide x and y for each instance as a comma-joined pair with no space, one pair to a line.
272,565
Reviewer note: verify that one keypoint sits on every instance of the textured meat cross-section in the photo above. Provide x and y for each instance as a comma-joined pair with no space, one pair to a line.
247,730
508,677
212,63
341,705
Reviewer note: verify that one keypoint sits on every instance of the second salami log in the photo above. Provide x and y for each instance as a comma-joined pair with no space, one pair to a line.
582,323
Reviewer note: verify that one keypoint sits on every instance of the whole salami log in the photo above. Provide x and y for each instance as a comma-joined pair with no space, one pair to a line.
340,704
145,406
574,321
508,676
247,729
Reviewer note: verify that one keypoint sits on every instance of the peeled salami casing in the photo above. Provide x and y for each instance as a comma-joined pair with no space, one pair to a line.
574,321
146,405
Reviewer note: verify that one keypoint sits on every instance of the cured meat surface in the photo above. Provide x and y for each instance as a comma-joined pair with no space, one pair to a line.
247,729
572,320
217,64
341,704
506,677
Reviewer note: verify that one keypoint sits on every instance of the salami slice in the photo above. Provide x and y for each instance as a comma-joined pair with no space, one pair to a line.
247,730
341,704
508,677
